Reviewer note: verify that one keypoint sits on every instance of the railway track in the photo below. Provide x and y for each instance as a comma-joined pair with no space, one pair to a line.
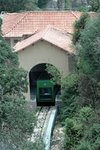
44,125
39,126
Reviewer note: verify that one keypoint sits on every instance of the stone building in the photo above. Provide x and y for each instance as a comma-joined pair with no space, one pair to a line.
40,38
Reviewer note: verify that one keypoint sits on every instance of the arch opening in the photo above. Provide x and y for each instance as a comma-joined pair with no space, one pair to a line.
41,86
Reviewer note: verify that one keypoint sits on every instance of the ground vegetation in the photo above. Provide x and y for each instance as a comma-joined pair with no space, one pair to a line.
18,5
80,90
16,119
82,125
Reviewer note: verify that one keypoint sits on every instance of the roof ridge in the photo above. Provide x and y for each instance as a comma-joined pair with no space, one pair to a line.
47,11
74,14
28,22
45,31
17,23
42,11
48,27
38,37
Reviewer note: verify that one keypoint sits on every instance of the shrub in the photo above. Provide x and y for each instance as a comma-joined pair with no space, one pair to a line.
85,115
73,133
96,145
84,146
69,94
93,133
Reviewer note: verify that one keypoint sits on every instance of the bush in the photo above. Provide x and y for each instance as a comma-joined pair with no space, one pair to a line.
69,94
85,115
82,131
93,133
73,133
79,27
38,145
96,145
84,146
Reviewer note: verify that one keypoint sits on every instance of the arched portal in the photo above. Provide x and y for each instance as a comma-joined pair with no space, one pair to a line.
38,77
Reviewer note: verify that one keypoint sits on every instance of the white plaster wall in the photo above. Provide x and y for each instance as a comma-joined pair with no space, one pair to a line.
43,52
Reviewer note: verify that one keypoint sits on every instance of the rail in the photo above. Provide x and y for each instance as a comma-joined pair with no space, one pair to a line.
44,125
41,117
49,129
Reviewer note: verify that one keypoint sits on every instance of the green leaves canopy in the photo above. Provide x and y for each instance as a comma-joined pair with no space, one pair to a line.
89,49
17,5
16,121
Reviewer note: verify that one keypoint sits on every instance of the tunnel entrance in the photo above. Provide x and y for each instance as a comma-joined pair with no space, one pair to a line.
41,86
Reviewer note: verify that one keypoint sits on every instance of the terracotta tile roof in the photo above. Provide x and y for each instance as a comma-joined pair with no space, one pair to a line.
19,24
51,35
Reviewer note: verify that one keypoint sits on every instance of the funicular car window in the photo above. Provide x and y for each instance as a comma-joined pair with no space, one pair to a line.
45,92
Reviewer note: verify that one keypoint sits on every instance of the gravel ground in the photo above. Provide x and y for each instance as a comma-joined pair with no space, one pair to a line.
57,138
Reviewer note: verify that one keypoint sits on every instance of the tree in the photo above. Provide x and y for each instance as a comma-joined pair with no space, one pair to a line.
89,62
69,96
60,4
79,26
68,4
17,5
76,5
84,93
82,132
55,74
89,49
42,3
16,121
31,5
94,5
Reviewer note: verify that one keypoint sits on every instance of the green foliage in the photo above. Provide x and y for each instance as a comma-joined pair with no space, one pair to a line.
82,132
79,26
81,92
69,86
89,52
7,58
80,5
85,114
68,4
96,145
89,63
42,3
17,5
31,5
9,71
83,8
73,133
0,25
69,96
60,4
84,145
89,90
20,5
94,5
55,74
38,145
75,127
16,122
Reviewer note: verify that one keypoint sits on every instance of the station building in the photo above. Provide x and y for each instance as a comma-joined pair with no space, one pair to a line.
40,38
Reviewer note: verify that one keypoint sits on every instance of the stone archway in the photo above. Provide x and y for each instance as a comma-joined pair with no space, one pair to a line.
37,73
43,52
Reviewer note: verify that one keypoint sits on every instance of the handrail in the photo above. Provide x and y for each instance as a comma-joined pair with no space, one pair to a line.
48,133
